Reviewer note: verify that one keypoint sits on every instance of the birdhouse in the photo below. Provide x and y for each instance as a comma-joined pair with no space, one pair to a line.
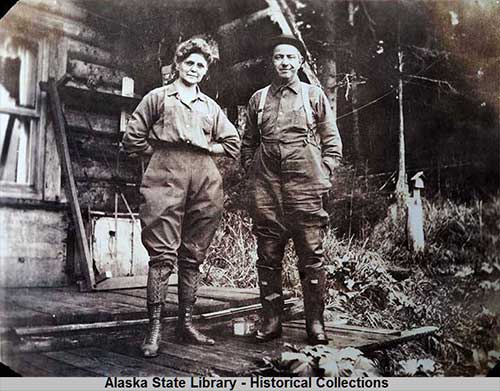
417,183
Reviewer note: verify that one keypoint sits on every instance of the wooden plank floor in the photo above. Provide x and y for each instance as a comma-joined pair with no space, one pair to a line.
59,349
54,306
118,353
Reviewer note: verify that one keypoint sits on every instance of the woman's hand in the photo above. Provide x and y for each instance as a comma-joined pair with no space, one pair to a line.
216,149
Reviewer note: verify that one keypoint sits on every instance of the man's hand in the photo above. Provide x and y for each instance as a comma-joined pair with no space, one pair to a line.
330,164
327,168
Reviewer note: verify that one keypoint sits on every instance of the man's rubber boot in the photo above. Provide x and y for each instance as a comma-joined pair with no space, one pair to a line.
271,298
313,287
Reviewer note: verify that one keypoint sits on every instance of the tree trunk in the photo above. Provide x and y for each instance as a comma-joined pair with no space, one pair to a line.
352,9
328,78
401,185
355,120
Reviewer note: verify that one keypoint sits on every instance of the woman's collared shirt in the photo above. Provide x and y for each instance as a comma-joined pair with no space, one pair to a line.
164,117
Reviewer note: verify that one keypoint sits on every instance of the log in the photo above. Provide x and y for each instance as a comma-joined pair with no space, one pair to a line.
94,74
89,53
235,26
32,20
96,121
233,51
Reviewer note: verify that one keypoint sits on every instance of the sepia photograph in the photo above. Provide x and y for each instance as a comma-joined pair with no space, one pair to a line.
250,188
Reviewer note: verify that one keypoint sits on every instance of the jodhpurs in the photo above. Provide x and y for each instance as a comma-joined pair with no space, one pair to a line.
182,189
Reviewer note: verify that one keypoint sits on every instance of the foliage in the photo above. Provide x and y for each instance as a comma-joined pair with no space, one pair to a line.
232,256
355,202
325,361
416,367
461,239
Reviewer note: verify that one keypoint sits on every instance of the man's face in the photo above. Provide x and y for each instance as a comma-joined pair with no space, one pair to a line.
286,61
166,73
192,69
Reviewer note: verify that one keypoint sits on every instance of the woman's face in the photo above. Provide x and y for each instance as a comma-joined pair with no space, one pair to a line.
192,69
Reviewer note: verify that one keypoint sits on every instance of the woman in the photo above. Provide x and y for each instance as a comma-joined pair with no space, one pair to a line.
180,128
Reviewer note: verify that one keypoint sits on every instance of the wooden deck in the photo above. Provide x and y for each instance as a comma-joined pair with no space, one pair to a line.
63,332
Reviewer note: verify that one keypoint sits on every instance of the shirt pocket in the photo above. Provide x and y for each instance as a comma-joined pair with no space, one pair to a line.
298,117
207,124
169,117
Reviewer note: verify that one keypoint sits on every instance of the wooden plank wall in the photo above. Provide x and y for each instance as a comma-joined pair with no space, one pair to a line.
33,247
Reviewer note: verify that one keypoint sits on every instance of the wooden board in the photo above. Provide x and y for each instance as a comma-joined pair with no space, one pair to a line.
38,364
52,184
107,363
203,304
12,314
132,349
76,339
33,247
349,329
66,305
231,295
234,296
100,100
51,87
37,306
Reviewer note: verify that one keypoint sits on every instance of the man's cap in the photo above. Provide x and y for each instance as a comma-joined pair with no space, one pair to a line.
288,40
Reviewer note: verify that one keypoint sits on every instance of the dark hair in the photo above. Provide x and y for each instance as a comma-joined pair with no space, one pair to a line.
195,45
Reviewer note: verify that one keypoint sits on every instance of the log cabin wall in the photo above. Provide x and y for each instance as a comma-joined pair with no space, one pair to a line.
35,222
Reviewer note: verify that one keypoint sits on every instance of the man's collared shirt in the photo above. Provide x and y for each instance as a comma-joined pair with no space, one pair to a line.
163,116
284,120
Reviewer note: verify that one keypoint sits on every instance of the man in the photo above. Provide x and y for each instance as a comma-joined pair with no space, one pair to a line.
291,148
181,128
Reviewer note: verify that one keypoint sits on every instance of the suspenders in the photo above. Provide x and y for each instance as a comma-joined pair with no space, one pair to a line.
260,110
305,101
307,106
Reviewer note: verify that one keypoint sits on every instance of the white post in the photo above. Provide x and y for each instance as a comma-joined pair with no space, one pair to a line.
415,217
